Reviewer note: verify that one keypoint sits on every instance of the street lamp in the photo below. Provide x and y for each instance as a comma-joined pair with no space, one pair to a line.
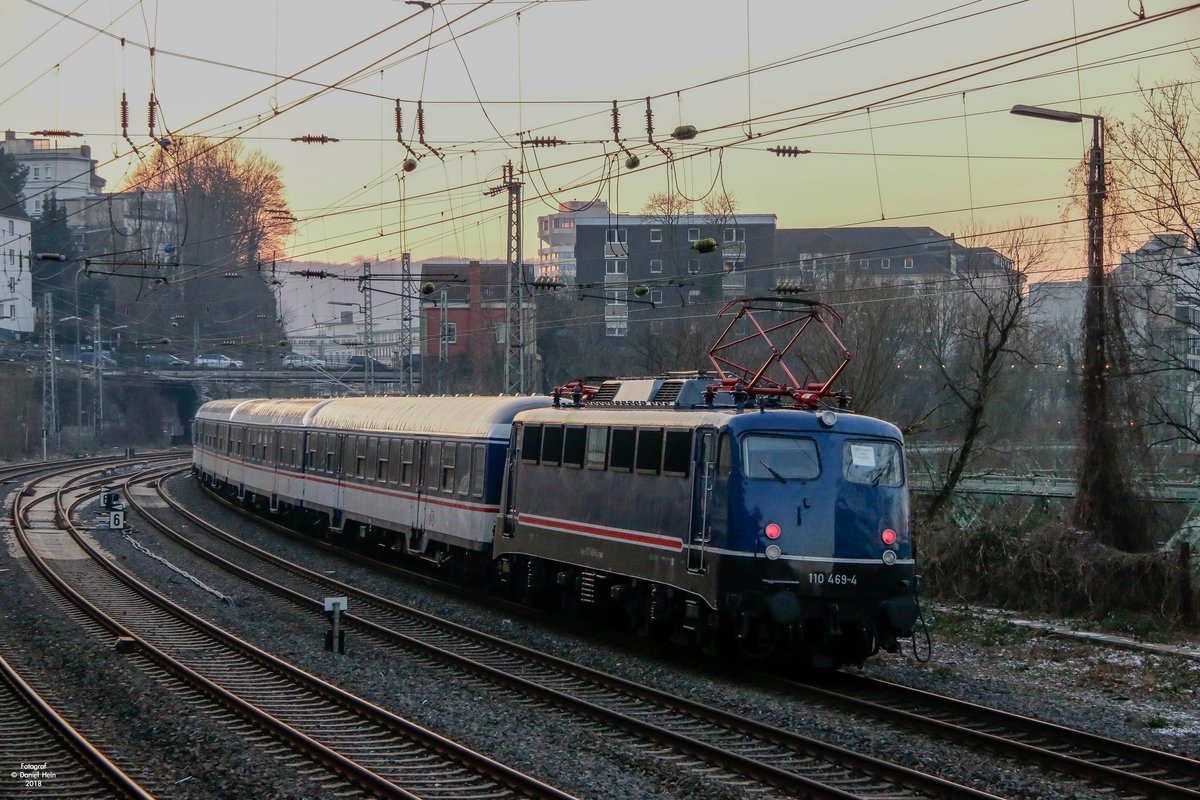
1100,480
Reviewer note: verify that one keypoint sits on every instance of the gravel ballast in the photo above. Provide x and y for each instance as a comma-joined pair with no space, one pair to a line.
1139,697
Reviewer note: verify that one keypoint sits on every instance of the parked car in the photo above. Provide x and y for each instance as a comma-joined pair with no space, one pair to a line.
89,359
360,363
217,361
301,361
164,361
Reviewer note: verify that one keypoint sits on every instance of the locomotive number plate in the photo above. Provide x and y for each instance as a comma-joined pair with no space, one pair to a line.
833,578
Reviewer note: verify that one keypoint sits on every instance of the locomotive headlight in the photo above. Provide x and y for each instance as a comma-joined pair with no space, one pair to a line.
772,531
828,418
773,551
889,557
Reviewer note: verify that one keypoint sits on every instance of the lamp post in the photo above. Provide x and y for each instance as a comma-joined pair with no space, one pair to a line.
1101,484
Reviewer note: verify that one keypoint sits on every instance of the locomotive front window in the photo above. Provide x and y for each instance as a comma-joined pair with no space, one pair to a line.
780,458
876,463
552,444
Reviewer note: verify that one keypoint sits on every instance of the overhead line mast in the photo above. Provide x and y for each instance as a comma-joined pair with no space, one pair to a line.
516,333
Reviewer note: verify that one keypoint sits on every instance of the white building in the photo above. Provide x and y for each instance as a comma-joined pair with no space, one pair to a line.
16,278
67,172
556,255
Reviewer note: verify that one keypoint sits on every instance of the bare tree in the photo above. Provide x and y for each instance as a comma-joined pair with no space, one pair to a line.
1157,182
720,209
972,336
234,218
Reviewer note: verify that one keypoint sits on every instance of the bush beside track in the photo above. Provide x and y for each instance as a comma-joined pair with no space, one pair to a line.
1048,568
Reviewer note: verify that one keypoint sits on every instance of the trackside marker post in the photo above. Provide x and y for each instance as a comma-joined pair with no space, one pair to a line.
335,639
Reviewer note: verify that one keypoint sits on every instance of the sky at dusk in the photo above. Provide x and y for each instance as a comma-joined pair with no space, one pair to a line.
904,105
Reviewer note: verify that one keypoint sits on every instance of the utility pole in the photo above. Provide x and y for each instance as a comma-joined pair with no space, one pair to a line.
406,322
368,331
49,393
97,384
514,321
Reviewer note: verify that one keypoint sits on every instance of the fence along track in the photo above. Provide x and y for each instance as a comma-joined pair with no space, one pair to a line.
776,757
398,758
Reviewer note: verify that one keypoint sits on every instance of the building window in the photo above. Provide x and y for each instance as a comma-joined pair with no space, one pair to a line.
616,327
616,266
615,297
908,263
564,223
656,296
656,234
693,234
863,263
48,174
37,206
885,263
451,333
37,172
735,235
615,235
655,265
735,266
693,266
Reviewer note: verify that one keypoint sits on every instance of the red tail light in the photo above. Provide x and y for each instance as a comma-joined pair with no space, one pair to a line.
772,531
888,536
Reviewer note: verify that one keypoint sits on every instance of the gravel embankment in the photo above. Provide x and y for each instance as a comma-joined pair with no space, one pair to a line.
1148,699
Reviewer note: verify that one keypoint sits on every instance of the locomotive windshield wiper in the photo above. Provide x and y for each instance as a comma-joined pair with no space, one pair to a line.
774,474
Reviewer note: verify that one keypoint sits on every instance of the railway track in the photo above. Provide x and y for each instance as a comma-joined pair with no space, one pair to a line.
359,744
1132,769
1108,764
712,738
44,756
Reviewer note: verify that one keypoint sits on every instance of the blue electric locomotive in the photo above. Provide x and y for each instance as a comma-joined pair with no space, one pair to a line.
772,530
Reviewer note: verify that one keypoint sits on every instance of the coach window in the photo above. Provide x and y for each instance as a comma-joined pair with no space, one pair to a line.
552,445
447,482
330,454
574,446
597,447
406,463
381,460
531,443
371,454
677,453
649,450
477,470
462,469
620,453
394,452
433,464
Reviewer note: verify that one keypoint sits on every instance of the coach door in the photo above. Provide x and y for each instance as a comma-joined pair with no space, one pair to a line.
702,488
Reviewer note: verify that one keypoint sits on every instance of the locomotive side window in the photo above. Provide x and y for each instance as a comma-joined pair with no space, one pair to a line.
782,458
597,447
620,454
574,443
477,471
677,454
552,444
876,463
462,469
649,450
531,443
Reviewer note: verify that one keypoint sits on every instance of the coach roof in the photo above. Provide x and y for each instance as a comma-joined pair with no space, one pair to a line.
452,416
